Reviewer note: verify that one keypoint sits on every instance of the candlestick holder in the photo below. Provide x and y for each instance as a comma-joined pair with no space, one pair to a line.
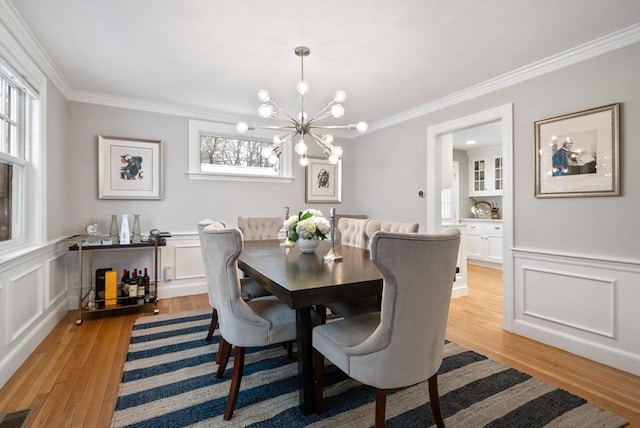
332,256
287,243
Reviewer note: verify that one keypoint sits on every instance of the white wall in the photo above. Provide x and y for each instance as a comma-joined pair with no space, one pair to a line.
559,237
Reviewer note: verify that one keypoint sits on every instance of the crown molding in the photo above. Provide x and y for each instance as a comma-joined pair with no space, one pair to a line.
608,43
16,26
616,40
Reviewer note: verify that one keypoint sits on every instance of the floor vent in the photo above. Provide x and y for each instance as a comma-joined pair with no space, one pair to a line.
17,419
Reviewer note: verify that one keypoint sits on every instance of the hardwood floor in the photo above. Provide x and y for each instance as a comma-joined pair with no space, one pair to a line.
72,378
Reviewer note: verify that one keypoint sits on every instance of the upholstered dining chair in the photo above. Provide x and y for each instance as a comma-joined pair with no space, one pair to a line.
259,322
402,344
250,287
388,226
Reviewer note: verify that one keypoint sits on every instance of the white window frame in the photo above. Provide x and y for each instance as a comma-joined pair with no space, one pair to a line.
31,211
198,127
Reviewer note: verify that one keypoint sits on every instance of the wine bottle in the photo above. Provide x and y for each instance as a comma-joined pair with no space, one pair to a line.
140,284
124,286
133,287
146,281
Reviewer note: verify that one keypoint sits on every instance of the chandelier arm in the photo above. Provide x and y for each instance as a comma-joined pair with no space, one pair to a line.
324,113
275,127
350,126
323,144
280,110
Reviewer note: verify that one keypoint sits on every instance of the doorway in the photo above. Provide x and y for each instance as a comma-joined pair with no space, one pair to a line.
503,114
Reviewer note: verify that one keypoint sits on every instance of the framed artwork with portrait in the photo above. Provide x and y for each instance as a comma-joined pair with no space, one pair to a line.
323,181
578,154
129,168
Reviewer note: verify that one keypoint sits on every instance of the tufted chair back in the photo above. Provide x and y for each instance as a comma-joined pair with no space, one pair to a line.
388,226
353,232
257,228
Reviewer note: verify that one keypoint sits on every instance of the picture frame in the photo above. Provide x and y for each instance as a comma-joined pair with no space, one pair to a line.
323,181
129,168
578,154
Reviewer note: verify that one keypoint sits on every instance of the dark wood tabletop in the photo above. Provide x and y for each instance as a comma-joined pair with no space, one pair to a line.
303,280
306,279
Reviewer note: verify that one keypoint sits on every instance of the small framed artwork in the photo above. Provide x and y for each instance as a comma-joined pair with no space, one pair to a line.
323,181
129,168
578,154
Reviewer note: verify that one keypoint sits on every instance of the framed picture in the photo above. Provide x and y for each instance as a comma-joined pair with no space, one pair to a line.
129,168
323,181
578,154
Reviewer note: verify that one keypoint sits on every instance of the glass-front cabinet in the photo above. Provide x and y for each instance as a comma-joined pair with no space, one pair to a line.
486,172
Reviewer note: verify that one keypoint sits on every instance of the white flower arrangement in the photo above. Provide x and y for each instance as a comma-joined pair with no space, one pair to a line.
308,224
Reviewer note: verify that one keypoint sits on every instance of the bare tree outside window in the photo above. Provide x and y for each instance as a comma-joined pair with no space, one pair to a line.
222,153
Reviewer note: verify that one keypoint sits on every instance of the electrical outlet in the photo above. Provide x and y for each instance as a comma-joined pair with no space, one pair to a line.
168,273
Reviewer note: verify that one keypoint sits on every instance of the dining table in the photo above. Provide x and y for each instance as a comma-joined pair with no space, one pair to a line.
304,280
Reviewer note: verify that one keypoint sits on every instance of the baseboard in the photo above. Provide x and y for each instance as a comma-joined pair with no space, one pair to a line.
168,289
607,355
484,263
459,289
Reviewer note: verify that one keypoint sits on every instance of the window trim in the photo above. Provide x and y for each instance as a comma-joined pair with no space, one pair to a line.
196,127
33,204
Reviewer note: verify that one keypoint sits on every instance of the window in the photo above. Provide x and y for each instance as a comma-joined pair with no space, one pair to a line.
13,162
215,153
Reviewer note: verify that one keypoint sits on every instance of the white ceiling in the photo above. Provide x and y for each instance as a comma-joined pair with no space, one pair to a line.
389,56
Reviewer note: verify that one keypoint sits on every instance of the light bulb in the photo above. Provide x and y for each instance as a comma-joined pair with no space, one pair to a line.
304,161
333,160
336,151
276,139
328,138
267,152
265,110
301,147
340,97
273,159
302,87
362,126
337,110
242,127
263,95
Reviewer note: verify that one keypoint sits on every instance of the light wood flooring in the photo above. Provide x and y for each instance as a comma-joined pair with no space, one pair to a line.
72,378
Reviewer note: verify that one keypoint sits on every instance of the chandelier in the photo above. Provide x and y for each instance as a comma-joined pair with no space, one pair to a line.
301,125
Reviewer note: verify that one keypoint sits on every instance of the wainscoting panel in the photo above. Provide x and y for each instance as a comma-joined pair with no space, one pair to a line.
33,298
26,292
594,312
188,262
586,306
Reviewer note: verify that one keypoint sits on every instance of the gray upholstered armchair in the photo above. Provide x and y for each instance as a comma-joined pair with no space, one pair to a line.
349,308
258,322
402,344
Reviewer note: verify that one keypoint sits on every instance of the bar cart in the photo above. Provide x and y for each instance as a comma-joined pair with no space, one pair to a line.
88,300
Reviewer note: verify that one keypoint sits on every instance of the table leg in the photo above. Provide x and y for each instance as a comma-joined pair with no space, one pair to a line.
305,359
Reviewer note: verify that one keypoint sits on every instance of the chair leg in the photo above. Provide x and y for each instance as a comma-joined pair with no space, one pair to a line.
224,350
321,310
213,325
381,407
234,389
289,346
221,345
434,399
318,380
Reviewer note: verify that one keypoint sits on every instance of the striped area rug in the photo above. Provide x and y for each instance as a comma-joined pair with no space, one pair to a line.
168,381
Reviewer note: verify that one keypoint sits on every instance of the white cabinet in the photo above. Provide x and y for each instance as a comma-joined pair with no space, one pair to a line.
484,240
485,172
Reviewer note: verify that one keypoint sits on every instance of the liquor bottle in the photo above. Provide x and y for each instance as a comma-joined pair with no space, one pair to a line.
146,281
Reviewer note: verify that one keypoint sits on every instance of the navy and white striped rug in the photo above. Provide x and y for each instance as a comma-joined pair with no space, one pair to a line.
168,381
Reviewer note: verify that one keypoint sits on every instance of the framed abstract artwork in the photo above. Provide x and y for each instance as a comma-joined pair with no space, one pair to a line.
129,168
578,154
323,181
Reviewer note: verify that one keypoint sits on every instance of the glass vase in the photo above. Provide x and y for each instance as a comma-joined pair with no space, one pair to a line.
125,238
114,230
136,229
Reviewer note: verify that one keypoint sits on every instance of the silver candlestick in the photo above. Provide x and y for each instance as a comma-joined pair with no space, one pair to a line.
332,256
287,242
